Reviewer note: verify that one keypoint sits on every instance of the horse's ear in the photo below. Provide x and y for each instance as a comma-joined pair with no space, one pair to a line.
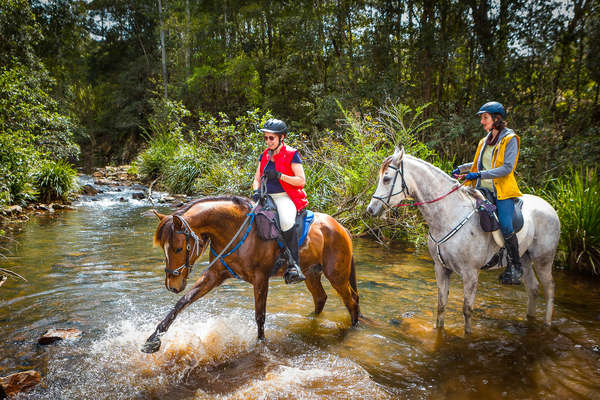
159,215
398,153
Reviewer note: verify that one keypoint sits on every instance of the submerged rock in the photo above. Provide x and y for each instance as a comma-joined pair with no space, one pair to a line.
53,335
89,190
138,195
18,382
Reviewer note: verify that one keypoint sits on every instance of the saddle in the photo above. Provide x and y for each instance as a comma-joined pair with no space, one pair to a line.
488,218
488,213
269,228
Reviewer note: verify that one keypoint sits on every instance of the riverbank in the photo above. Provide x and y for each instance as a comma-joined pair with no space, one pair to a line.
113,177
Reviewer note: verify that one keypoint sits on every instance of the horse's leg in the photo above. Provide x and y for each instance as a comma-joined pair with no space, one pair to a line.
313,283
261,289
543,267
339,276
531,284
205,284
470,278
442,276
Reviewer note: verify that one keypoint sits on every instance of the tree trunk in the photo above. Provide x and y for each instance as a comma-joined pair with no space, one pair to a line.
187,38
162,47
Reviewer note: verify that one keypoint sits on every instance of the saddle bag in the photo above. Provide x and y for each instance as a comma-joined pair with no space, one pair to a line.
487,216
267,219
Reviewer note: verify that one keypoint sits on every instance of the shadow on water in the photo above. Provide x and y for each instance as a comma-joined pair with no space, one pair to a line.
95,269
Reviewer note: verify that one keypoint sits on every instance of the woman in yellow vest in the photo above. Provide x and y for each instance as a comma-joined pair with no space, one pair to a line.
493,168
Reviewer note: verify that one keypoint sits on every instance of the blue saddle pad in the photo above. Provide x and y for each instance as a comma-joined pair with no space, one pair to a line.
303,222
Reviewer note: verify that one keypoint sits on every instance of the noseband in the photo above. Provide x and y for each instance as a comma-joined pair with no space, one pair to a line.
189,235
399,172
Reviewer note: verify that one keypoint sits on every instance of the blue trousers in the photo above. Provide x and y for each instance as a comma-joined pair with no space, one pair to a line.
506,208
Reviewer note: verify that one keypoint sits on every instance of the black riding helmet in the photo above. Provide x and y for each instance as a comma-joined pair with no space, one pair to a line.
274,126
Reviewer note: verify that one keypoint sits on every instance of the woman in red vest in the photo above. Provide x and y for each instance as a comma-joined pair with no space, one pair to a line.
282,167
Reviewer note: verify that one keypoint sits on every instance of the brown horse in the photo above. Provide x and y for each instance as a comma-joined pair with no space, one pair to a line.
215,220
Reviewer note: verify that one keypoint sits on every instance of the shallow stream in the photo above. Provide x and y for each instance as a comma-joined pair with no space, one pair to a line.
95,269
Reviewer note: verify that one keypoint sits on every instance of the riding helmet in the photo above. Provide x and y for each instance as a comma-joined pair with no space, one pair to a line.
274,126
492,107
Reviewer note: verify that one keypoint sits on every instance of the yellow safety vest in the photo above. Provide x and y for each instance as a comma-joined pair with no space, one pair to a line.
506,186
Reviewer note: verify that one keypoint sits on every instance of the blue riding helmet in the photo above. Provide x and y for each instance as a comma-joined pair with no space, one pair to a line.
492,107
274,126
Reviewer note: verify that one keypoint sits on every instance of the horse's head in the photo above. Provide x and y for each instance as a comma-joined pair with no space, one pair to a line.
182,247
391,188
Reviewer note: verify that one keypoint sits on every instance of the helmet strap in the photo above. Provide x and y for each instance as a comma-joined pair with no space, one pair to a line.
280,142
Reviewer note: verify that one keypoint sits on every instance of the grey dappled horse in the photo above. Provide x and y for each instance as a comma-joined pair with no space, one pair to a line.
467,247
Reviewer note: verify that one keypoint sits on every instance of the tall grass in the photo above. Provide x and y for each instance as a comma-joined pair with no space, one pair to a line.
185,167
54,180
164,138
576,200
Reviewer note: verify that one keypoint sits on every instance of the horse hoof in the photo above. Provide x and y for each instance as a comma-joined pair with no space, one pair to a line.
151,346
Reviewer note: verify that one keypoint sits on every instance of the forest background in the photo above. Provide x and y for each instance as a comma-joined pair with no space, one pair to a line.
177,88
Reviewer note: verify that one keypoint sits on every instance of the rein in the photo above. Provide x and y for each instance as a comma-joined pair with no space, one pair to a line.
400,171
431,201
189,233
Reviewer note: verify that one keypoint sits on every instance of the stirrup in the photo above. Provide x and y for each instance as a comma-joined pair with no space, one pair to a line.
293,274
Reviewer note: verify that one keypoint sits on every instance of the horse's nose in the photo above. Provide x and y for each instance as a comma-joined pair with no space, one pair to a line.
174,290
370,210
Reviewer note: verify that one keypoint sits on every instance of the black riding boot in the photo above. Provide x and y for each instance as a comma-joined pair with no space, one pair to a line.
293,273
514,271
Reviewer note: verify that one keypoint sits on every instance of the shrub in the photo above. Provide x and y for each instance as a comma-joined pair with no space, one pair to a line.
575,199
55,180
16,160
164,137
185,168
157,157
344,172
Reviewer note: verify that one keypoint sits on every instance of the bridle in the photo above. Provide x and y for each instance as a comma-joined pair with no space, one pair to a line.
189,235
399,172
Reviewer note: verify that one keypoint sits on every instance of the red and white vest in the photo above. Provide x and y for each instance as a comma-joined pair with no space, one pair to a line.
283,164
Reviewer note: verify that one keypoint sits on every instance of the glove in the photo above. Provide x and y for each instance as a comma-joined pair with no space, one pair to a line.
272,174
472,176
256,196
456,172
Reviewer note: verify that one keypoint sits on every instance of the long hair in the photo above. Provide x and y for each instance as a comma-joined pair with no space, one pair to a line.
499,123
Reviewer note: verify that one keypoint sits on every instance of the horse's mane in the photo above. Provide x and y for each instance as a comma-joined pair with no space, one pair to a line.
165,228
466,190
237,200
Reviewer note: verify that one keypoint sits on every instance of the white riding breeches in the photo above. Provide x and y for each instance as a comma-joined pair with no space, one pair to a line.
286,210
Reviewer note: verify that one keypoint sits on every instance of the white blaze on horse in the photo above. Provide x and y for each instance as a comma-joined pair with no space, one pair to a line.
456,241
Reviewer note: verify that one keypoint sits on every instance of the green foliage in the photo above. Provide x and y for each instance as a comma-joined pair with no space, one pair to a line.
184,169
19,32
164,136
16,160
166,122
31,128
575,198
54,180
31,115
350,168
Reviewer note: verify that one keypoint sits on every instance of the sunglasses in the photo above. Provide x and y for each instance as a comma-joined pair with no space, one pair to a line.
268,137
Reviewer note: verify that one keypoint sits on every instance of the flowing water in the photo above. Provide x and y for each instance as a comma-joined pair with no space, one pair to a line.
95,269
